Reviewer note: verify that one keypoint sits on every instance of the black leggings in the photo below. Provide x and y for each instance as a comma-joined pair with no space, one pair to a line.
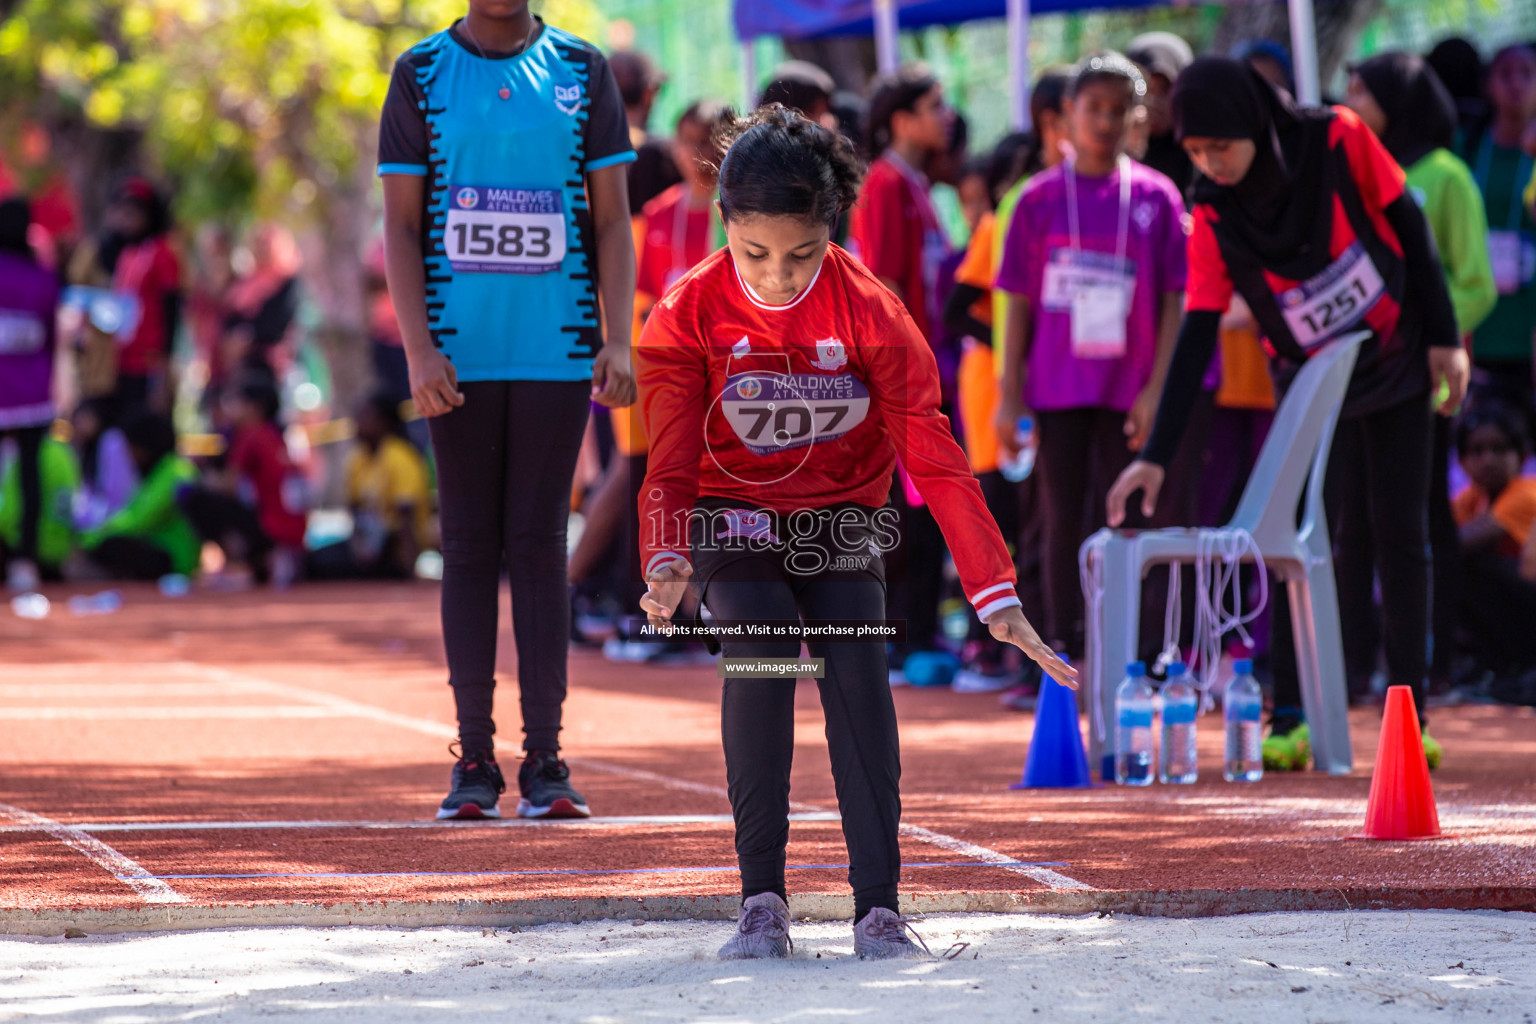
29,442
916,571
757,721
505,461
1377,494
1081,452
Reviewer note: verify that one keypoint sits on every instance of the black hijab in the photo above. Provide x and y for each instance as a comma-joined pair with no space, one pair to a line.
1276,209
1421,116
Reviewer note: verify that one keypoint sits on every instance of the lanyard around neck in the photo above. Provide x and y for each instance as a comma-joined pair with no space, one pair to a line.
714,234
1122,167
1522,175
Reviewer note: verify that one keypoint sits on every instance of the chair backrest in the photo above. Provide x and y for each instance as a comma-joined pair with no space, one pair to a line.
1296,449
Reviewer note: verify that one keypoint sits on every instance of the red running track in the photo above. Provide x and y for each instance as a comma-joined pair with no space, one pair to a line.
256,750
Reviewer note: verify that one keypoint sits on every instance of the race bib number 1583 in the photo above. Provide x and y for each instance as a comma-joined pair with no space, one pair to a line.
504,230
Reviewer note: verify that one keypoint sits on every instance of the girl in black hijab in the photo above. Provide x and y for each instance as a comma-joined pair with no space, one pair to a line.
1304,204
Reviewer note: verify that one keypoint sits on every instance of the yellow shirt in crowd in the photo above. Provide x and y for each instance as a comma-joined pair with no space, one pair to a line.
381,482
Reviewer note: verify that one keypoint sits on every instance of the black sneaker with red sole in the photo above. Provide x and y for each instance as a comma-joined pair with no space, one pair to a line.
545,782
476,788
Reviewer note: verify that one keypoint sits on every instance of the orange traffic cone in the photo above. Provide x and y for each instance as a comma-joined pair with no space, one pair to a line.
1402,804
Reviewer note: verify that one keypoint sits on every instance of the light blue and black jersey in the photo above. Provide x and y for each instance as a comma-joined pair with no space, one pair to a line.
505,143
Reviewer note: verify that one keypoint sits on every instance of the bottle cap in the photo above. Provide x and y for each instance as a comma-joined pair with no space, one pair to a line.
1136,669
1025,423
1178,668
1243,666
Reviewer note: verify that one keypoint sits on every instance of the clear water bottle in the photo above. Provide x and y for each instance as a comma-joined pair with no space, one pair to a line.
1243,709
1133,728
1022,464
1179,761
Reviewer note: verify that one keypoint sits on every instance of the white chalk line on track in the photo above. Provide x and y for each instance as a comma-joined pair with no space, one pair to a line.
127,871
255,684
167,712
615,821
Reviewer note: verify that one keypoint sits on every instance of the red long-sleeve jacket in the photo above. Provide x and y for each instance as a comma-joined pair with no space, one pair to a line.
801,406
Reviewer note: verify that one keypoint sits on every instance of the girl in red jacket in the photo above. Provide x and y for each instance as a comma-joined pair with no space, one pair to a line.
779,381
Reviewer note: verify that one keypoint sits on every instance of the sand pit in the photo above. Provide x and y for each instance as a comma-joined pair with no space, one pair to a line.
1354,967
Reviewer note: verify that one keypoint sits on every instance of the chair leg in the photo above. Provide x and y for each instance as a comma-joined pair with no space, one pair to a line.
1320,665
1118,624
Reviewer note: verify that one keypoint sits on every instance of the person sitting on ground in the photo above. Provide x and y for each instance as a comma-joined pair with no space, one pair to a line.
1496,513
108,477
148,537
387,493
254,509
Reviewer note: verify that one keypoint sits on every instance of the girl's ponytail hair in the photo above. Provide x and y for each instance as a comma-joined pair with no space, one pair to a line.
778,163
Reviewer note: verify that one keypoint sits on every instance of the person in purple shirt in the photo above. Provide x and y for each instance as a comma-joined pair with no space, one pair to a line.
29,298
1094,261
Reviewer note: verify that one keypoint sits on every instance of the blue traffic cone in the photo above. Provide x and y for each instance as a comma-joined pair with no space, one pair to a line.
1056,757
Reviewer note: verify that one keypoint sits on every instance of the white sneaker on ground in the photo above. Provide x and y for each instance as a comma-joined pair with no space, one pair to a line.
882,935
762,932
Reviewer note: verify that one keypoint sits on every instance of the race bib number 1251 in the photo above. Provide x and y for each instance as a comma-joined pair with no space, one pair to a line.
504,230
1330,302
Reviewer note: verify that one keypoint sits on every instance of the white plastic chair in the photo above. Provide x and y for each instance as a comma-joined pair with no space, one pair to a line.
1295,455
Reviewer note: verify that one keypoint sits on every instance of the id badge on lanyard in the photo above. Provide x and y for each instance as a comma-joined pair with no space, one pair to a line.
1333,300
1513,255
1511,250
1095,290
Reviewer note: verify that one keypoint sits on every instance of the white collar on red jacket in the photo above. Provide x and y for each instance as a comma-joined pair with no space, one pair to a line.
757,300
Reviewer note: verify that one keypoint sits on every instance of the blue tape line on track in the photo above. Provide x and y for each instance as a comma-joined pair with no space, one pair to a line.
604,871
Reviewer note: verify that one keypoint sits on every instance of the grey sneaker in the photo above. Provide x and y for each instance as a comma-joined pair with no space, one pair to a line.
882,935
762,932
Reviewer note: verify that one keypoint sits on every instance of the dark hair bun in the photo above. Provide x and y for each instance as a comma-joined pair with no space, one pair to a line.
779,163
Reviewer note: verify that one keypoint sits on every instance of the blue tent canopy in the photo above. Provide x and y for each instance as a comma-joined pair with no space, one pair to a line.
815,19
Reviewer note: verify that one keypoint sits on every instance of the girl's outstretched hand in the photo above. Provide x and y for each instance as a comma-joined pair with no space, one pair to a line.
1010,626
666,586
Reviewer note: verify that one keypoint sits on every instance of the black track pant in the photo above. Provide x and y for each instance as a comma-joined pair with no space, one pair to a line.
29,441
505,460
757,719
1377,493
1081,452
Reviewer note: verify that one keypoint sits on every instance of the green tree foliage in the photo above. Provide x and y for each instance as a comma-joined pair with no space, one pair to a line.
252,109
